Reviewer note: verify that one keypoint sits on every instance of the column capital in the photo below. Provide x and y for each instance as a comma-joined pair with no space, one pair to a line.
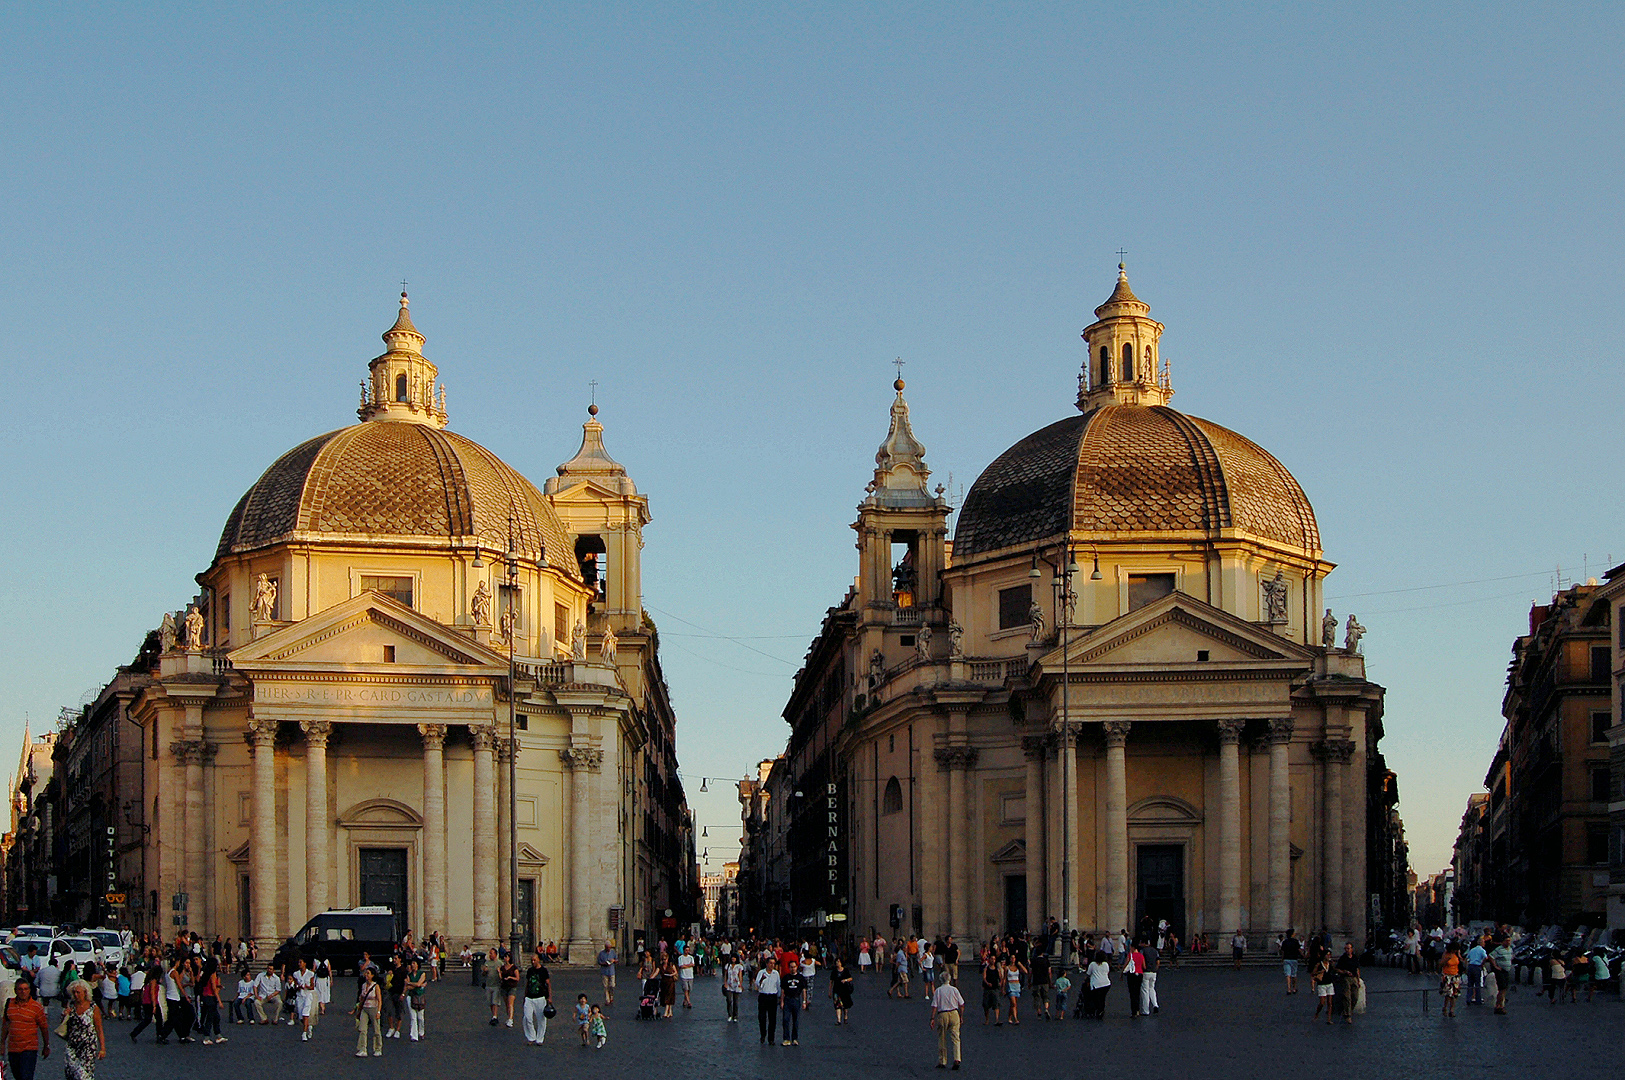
316,732
434,736
1036,747
258,733
1335,751
954,757
504,748
1280,730
584,758
1230,732
484,737
193,751
1116,732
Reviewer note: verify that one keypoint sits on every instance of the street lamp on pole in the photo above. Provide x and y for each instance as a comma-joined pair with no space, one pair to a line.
1065,569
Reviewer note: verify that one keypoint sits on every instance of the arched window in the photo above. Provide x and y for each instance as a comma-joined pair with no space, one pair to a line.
891,800
400,387
1105,366
1128,362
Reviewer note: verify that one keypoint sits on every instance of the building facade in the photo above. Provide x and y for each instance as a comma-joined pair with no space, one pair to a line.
1612,593
394,623
1113,697
32,842
1550,783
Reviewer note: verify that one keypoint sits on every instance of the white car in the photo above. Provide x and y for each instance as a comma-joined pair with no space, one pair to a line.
35,930
79,948
111,945
41,946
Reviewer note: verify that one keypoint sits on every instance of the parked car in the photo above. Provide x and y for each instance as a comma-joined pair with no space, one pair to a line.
22,943
111,944
36,930
80,949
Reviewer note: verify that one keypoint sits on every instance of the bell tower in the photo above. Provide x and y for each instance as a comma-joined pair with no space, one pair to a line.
902,530
1123,361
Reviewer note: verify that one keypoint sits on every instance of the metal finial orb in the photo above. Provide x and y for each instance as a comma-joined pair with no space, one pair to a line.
592,410
898,386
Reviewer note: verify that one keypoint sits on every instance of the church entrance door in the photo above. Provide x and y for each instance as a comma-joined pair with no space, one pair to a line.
1161,886
1015,903
383,882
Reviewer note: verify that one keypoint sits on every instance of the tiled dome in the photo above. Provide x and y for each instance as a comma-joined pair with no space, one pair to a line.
383,482
1126,470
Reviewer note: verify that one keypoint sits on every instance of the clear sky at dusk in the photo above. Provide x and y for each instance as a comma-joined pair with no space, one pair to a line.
1385,241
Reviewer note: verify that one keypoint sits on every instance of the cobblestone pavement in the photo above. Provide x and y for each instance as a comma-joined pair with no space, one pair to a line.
1214,1023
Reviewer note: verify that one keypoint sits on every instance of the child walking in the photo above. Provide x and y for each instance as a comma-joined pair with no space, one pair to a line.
583,1016
600,1032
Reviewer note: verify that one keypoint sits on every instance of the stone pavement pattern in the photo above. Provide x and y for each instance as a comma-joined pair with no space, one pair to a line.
1214,1023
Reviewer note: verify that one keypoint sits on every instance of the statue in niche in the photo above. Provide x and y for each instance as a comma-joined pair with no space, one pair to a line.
608,644
1328,630
264,598
479,605
922,642
1352,635
956,640
877,668
578,641
1035,618
508,622
1274,599
194,629
167,632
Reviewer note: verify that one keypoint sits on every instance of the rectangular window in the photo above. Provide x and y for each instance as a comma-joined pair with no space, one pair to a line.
561,626
1144,589
1599,727
1600,781
1597,844
396,587
1014,605
224,634
389,654
1600,663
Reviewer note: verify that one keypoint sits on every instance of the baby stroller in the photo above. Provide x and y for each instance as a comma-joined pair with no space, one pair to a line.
649,999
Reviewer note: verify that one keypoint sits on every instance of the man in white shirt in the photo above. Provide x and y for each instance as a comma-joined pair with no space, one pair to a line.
947,1008
50,982
268,996
685,975
767,1000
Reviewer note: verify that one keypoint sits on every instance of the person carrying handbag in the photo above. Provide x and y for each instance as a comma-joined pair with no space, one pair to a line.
369,1007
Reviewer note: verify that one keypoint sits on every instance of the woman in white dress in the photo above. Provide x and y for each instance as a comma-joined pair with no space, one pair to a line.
324,985
304,1002
863,957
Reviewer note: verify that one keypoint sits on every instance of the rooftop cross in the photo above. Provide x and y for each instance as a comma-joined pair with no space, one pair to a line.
593,385
1122,256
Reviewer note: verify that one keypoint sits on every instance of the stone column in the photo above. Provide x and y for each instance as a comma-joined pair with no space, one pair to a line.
316,825
1230,825
1280,853
955,760
1335,754
434,827
504,832
261,738
189,754
1034,746
583,763
485,834
1116,915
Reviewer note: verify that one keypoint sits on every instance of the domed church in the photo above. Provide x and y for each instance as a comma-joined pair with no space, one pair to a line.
393,620
1114,698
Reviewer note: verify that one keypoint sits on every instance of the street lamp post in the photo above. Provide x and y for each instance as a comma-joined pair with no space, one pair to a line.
511,628
1065,568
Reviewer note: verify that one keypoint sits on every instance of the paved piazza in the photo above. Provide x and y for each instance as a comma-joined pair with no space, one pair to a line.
1213,1023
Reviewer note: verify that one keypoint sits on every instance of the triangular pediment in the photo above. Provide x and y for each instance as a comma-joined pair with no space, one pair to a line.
529,856
1013,852
1179,629
356,631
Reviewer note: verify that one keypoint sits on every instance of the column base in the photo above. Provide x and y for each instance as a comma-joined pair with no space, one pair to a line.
582,951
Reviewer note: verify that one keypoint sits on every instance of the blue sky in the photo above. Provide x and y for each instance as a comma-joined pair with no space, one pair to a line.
1384,239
